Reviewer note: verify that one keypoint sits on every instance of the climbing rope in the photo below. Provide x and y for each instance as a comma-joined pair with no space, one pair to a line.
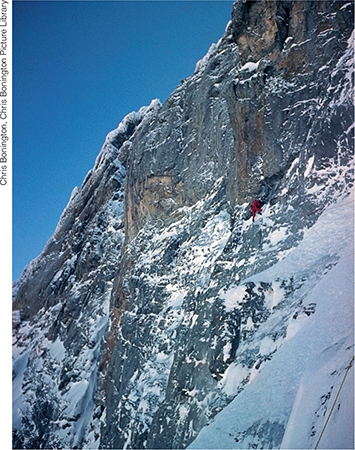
335,401
339,206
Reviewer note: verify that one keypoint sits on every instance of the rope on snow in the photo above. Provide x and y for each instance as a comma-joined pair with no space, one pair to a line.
335,401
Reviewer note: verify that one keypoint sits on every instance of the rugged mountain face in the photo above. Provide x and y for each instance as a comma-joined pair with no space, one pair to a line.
158,304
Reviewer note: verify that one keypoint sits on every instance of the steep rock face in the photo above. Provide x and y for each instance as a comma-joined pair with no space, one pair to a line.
157,252
235,117
264,115
61,305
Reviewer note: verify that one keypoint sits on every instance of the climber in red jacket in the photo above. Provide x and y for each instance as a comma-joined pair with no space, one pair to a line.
255,208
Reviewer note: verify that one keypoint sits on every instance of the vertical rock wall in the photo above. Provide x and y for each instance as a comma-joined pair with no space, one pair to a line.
148,298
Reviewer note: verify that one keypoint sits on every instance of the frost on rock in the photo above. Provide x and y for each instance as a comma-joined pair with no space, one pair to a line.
119,138
159,315
313,343
57,343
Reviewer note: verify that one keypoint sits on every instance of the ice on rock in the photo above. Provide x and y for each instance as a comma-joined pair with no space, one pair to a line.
159,315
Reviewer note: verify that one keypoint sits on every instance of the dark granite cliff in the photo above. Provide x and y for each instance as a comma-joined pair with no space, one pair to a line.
151,291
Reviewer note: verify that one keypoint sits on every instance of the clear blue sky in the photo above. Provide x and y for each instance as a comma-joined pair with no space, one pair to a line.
79,68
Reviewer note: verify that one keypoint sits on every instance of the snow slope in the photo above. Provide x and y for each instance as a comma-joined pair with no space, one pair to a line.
291,395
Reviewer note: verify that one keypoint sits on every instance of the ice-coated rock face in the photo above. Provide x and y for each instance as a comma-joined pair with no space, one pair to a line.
157,301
